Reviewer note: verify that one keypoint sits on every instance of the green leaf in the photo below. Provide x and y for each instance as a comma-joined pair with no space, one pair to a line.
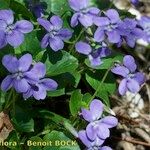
59,120
57,7
77,77
36,140
60,62
52,116
78,100
60,142
4,4
14,138
41,56
18,8
23,121
5,51
27,126
124,13
107,62
104,4
21,1
70,128
67,83
107,87
2,99
31,44
86,98
75,102
103,94
66,20
56,93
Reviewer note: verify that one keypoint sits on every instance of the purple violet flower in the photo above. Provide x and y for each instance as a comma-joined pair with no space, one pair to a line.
12,33
20,76
131,79
108,26
135,2
36,7
92,145
130,32
83,13
38,89
56,34
27,78
98,128
144,22
94,55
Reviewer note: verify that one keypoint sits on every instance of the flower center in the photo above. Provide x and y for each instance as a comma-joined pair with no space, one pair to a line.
95,124
111,27
95,53
84,11
18,75
130,75
9,28
53,31
147,29
34,87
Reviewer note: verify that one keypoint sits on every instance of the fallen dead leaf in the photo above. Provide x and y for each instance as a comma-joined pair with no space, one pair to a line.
5,126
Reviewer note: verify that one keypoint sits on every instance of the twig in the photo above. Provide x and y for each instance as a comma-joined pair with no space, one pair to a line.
117,99
131,140
148,91
142,134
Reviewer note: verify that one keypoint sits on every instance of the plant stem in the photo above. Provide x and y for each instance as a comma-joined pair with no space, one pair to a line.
13,105
8,100
98,88
111,4
69,42
132,140
11,101
44,132
79,36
